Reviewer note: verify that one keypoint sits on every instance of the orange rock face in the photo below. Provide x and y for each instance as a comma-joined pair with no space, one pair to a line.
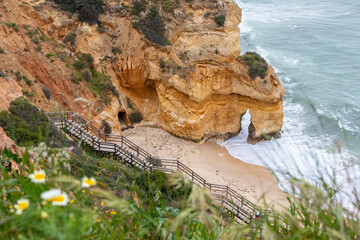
195,88
6,142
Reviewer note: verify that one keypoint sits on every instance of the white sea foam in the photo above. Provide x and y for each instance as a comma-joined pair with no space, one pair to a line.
313,63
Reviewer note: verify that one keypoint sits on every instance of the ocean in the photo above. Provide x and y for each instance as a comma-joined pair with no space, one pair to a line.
314,47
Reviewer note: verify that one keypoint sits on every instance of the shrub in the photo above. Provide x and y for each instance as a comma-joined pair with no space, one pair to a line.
49,55
87,75
80,65
116,50
13,25
170,5
70,38
101,28
129,103
101,85
257,65
162,63
2,51
27,93
106,126
220,20
18,76
28,82
88,10
2,74
136,117
153,27
27,125
46,92
37,49
35,40
138,6
32,33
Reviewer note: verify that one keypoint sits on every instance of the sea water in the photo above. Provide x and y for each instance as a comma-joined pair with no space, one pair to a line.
314,47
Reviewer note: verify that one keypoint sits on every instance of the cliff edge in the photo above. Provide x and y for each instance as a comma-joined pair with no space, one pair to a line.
174,64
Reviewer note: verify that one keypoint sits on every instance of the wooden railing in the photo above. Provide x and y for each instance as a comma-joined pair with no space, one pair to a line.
120,148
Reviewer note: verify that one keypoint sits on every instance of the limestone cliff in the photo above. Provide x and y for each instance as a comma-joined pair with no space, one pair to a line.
193,86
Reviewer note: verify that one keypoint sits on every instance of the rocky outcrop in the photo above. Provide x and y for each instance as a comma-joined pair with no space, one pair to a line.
6,142
196,87
9,91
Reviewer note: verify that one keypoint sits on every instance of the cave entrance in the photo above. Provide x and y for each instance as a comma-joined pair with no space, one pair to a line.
122,120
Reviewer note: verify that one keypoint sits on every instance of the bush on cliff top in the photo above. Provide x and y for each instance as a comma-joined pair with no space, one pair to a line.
257,65
88,10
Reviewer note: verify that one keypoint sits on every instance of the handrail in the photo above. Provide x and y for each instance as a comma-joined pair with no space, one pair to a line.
232,201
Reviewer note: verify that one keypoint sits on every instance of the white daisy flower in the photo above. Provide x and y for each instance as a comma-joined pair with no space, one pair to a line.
38,176
88,182
21,205
56,197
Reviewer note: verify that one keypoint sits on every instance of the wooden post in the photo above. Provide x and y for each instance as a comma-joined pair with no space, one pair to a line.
137,151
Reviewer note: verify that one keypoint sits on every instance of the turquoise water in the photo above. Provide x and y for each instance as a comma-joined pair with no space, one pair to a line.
314,47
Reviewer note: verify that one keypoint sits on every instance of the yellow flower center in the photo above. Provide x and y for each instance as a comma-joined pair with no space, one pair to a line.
59,198
22,205
39,176
113,212
89,182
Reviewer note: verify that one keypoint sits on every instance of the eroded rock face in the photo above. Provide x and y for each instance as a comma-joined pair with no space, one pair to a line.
195,88
6,142
9,91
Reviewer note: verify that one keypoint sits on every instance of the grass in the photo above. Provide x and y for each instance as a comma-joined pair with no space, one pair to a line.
257,65
130,204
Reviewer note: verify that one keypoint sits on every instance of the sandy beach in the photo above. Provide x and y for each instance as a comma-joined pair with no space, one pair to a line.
252,181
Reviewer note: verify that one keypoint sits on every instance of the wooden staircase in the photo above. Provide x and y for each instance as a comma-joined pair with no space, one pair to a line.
121,149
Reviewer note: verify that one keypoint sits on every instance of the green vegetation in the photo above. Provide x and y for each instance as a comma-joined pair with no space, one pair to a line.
116,50
70,38
37,49
220,20
106,126
13,26
87,10
82,68
46,92
169,6
49,55
136,116
138,6
2,74
257,65
27,125
126,203
27,93
2,51
153,27
35,40
18,76
129,103
27,81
